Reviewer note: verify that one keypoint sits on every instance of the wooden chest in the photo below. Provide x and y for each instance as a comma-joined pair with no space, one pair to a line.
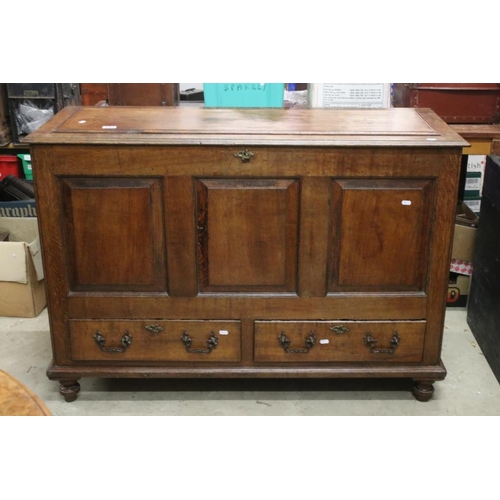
193,242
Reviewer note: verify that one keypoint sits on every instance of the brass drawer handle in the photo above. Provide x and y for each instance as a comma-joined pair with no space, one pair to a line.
154,329
285,342
212,343
245,155
370,342
339,329
126,340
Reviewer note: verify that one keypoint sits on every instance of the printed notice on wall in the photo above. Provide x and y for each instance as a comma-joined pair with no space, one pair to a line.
350,95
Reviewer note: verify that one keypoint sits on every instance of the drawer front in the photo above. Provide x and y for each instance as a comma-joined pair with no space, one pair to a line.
334,341
191,341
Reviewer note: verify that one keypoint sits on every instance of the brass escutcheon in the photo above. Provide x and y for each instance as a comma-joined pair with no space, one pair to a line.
245,155
339,329
154,329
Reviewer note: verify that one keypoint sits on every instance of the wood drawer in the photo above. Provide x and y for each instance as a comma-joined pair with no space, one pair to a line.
192,341
335,341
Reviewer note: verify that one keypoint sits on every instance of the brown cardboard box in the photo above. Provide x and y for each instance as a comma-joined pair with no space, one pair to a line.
463,243
22,288
465,234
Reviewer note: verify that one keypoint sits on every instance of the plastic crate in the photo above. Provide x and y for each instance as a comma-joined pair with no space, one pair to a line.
26,161
244,95
9,165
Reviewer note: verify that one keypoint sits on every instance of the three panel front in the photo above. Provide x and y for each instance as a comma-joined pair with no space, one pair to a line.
247,235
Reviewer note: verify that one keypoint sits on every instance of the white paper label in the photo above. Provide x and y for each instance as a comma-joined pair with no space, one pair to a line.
350,95
82,121
109,126
324,341
476,163
473,183
223,332
27,157
474,205
406,202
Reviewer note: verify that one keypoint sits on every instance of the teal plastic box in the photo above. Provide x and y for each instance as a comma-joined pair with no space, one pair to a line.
244,95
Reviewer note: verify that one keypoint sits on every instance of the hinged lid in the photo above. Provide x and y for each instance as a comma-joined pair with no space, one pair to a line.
307,127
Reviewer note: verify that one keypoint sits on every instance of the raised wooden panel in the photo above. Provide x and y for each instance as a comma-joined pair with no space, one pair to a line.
113,234
379,235
247,234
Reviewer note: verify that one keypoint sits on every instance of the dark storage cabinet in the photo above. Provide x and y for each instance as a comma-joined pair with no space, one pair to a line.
32,104
483,314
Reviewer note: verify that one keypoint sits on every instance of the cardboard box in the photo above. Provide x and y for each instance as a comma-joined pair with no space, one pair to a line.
458,290
464,237
22,287
26,208
461,267
464,240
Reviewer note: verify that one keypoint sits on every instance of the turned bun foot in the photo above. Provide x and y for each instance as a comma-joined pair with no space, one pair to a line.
423,390
69,389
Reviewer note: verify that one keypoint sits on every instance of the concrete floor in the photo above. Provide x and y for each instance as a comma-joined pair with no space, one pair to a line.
469,389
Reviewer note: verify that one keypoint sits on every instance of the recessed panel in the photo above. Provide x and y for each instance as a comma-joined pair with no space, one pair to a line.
379,235
114,234
247,234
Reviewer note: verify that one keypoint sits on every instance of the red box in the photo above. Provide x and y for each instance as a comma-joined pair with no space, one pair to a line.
9,165
453,102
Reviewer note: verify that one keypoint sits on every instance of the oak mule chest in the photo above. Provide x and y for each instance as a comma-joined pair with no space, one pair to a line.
194,242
